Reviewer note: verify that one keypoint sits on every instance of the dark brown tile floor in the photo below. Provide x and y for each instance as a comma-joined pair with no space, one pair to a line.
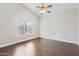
41,47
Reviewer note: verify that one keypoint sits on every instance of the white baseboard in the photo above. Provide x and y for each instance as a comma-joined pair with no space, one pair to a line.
1,46
60,40
33,38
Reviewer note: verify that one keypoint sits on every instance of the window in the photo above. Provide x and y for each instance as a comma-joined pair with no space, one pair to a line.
23,28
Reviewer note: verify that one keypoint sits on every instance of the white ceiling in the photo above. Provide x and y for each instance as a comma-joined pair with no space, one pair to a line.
57,7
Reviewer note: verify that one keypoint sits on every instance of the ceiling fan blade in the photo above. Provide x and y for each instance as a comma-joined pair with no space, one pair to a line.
49,11
42,6
37,6
49,6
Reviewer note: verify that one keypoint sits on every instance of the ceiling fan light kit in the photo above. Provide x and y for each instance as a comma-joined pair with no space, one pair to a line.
44,9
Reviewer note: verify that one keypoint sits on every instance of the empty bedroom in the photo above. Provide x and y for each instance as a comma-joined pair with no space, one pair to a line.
39,29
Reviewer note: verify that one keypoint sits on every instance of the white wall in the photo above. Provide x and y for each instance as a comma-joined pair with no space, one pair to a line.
9,13
78,26
62,27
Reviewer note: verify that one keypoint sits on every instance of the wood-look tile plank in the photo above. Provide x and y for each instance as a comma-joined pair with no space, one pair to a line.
41,47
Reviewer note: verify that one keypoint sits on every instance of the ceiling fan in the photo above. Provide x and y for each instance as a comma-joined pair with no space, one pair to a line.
44,9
